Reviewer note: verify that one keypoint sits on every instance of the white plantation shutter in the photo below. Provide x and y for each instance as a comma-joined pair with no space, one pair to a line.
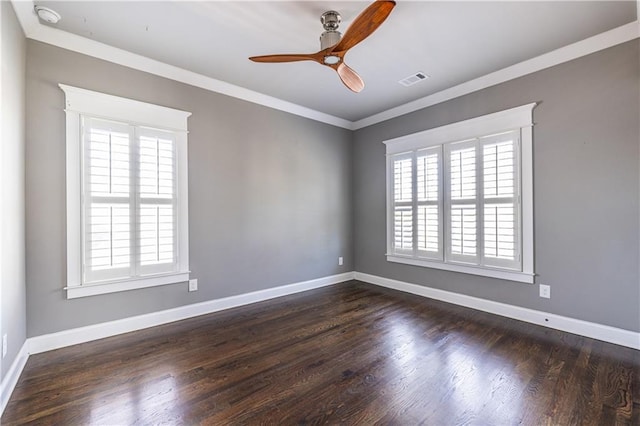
482,218
462,203
127,194
107,198
157,201
130,215
403,226
403,204
416,199
460,196
429,220
501,200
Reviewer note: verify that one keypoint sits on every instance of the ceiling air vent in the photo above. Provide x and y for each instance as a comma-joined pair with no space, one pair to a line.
413,79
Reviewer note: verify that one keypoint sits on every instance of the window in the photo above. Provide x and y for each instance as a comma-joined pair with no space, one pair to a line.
126,194
460,197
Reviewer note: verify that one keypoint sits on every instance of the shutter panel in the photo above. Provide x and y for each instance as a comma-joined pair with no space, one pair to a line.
402,175
403,216
428,229
499,231
429,223
427,176
500,195
463,230
129,229
463,202
499,169
109,236
107,200
463,173
403,228
157,202
157,166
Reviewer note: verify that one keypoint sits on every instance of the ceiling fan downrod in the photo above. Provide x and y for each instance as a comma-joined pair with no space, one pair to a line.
331,36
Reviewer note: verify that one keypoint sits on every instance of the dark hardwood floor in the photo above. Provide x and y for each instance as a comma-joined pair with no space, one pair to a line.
346,354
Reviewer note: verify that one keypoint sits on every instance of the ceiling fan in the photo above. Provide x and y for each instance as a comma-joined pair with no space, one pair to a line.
333,48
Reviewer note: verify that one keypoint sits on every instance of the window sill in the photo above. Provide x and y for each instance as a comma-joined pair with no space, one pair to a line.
74,292
522,277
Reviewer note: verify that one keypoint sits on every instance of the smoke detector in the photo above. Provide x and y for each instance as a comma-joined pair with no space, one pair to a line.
47,15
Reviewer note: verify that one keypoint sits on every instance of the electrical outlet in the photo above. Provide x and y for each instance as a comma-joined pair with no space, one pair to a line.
545,291
340,261
4,346
193,285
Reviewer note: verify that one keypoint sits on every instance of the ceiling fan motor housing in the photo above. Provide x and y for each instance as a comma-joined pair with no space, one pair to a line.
330,21
329,38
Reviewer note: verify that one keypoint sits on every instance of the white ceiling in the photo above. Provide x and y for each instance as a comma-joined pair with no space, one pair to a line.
452,42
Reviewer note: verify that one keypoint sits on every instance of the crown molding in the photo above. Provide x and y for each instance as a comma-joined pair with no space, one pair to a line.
36,31
570,52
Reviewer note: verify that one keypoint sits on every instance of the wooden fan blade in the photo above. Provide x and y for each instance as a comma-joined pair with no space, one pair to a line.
350,78
365,24
284,58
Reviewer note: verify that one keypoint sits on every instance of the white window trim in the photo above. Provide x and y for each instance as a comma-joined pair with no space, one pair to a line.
81,101
515,118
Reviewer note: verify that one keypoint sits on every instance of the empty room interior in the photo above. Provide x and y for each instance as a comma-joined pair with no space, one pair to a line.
320,212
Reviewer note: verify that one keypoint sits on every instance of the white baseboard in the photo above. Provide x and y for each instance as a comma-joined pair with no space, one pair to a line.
74,336
48,342
11,378
65,338
596,331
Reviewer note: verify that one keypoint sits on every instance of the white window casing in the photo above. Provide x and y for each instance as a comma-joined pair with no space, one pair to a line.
467,196
127,194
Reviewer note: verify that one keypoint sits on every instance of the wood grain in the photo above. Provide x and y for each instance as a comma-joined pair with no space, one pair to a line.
346,354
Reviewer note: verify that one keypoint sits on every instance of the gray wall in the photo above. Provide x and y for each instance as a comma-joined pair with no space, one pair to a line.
269,193
12,244
586,188
275,198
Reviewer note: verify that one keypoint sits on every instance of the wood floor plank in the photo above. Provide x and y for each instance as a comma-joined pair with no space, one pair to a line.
346,354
